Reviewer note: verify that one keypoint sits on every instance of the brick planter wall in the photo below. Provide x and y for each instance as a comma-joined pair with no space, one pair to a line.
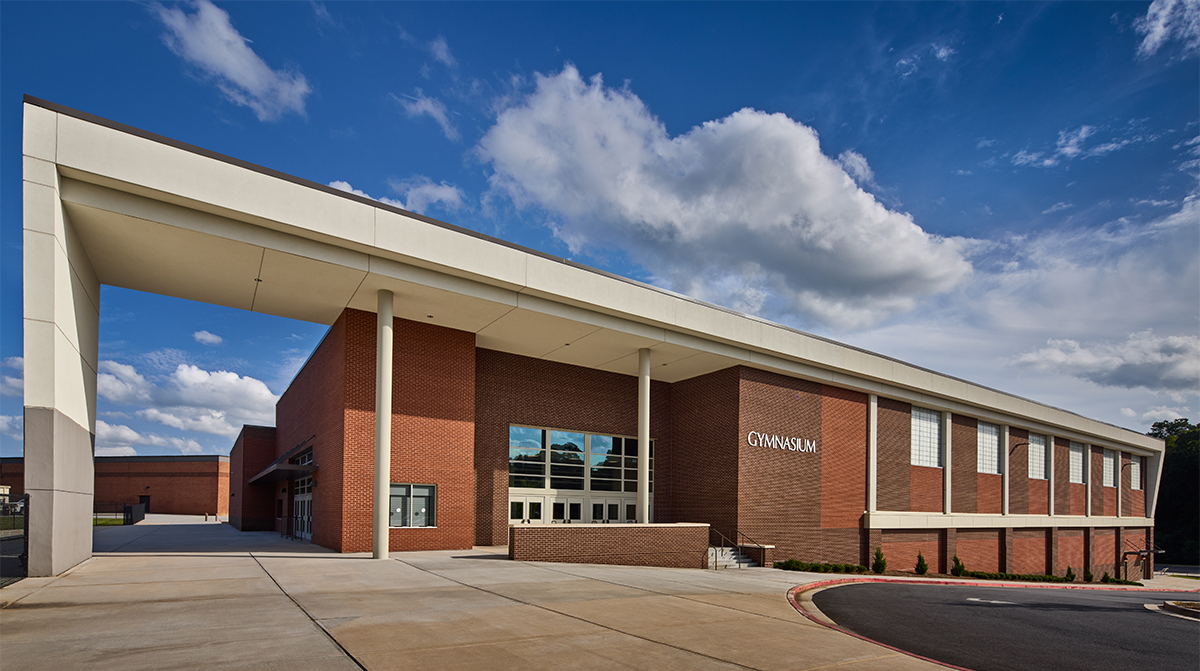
664,545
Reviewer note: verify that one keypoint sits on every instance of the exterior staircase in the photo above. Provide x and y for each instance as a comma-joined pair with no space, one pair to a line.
727,557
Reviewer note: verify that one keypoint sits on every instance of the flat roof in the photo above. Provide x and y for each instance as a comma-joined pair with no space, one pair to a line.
158,215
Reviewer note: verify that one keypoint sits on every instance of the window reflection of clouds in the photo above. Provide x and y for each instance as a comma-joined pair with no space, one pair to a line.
519,436
562,440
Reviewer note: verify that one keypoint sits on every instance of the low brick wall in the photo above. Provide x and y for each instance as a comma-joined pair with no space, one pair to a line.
667,545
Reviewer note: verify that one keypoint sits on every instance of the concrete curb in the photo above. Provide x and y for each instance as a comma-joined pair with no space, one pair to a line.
1180,610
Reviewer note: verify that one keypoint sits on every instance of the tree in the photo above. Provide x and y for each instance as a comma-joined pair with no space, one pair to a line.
1177,517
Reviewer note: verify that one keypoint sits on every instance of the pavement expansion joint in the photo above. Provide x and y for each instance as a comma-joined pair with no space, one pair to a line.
581,619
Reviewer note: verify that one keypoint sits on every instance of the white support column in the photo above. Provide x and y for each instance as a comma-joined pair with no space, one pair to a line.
872,453
61,321
947,424
1087,477
643,470
383,423
1153,479
1050,470
1004,469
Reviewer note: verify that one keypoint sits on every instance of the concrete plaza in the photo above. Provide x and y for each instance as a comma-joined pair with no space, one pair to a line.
176,592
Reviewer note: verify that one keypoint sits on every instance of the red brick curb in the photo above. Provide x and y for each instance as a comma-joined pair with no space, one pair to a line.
795,592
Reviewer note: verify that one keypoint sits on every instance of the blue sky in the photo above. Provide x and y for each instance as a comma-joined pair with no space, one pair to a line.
1003,192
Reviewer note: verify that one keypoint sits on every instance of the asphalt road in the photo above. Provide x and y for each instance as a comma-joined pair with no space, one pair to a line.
995,628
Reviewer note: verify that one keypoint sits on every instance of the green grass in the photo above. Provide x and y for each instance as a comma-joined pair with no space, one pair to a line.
108,521
12,522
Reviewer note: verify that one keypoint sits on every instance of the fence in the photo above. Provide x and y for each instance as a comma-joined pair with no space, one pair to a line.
14,541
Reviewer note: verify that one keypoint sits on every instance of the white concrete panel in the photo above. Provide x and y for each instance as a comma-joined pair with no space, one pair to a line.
41,212
586,316
39,172
697,344
600,347
39,363
428,245
388,269
421,303
41,253
710,322
81,263
302,288
95,149
530,333
148,256
39,135
560,282
697,364
74,383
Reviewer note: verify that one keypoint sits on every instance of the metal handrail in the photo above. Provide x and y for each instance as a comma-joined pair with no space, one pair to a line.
724,539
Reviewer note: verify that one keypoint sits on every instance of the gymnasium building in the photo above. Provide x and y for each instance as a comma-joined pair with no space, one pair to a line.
471,392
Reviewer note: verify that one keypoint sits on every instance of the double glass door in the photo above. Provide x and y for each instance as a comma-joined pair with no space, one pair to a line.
570,510
302,509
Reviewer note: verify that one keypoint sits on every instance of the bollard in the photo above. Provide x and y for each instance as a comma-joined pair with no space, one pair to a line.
205,517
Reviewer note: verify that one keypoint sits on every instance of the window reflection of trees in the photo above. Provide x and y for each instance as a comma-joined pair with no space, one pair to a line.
610,461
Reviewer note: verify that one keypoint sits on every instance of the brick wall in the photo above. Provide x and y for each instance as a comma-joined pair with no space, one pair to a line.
1105,555
671,546
1030,551
1071,552
1097,481
779,491
894,454
1126,483
12,473
843,475
1063,504
433,414
1039,496
979,549
1018,478
251,507
175,485
900,548
927,492
964,439
704,476
990,492
311,413
512,389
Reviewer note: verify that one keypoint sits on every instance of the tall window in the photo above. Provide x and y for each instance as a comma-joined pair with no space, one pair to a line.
1037,456
1135,472
987,454
926,437
413,506
1110,468
573,460
1078,473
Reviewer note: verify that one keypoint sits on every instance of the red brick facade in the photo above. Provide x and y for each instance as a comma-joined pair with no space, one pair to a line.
676,546
804,492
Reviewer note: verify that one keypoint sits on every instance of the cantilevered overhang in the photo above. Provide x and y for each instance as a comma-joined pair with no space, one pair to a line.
157,215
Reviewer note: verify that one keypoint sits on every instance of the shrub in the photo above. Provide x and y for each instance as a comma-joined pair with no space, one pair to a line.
958,569
1070,577
922,567
797,565
1013,576
880,564
1087,575
1105,579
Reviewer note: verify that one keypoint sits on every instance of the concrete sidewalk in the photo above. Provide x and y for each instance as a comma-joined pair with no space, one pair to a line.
193,595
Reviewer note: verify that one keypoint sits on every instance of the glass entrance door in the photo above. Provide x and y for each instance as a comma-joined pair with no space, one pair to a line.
302,509
526,509
607,510
566,510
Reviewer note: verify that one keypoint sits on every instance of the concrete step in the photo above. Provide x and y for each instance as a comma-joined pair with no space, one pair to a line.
728,558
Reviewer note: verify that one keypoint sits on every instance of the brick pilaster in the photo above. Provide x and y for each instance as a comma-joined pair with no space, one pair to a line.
1007,564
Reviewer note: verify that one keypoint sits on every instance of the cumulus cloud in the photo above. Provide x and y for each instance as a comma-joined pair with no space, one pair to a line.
745,211
420,193
208,41
125,451
13,426
1158,363
118,439
206,338
1166,20
13,384
423,105
190,398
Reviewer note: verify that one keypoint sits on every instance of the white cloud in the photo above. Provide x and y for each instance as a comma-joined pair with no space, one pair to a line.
208,41
745,211
1169,19
942,53
856,166
984,142
125,451
13,426
206,338
13,385
1158,363
423,105
190,398
1069,141
1162,413
440,51
118,437
1057,207
420,192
